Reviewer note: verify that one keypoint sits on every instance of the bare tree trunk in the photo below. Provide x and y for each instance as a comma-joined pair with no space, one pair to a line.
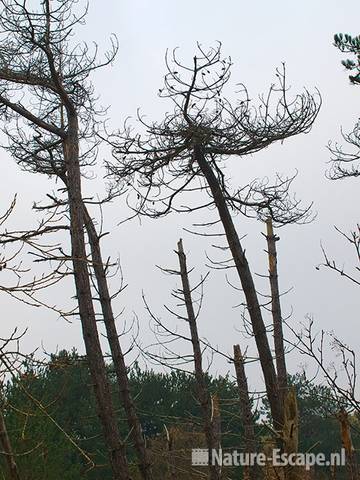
276,312
211,429
95,358
246,413
7,449
247,282
115,347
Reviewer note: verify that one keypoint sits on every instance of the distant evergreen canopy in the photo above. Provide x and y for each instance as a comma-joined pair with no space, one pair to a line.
163,399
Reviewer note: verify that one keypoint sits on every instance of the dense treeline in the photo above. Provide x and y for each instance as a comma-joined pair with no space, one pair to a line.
166,402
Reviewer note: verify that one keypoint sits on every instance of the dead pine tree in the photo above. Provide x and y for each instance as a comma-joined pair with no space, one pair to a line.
290,431
117,355
271,239
171,341
209,405
48,103
186,152
250,443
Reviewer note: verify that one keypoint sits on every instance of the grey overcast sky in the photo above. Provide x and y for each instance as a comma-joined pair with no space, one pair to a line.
258,35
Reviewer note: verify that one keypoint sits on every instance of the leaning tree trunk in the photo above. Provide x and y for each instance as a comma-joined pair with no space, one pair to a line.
209,412
276,312
116,351
250,445
105,408
247,282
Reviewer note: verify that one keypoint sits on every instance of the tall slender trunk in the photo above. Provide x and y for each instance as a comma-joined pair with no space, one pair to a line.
246,413
247,282
210,416
115,347
105,408
7,450
276,313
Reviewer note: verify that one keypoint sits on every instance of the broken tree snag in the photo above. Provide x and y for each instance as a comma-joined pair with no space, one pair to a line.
7,450
351,461
209,412
276,310
250,445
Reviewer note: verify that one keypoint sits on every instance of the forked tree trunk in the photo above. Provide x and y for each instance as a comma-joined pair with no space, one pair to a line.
250,445
105,408
115,348
276,312
208,407
247,283
7,450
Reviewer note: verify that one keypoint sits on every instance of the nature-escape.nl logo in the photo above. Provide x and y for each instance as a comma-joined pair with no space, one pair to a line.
201,457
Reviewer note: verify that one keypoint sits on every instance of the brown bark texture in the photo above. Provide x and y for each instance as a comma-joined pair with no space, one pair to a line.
101,386
250,444
210,414
248,286
115,348
276,311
